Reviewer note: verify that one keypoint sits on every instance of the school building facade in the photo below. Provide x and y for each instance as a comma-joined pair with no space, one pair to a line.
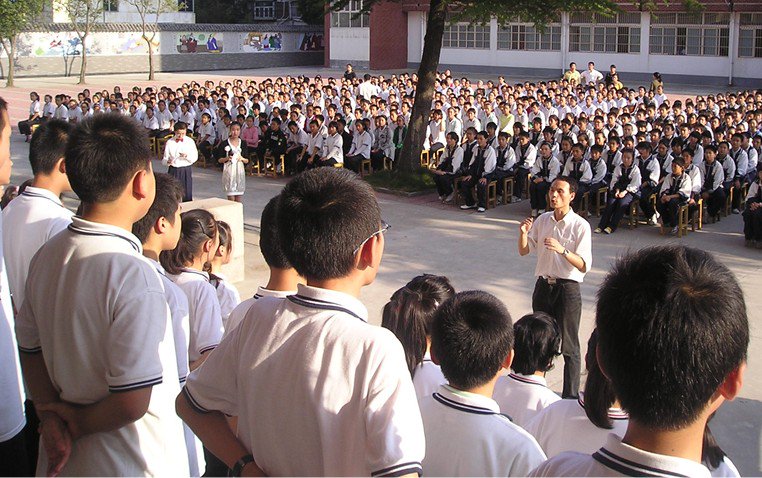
721,44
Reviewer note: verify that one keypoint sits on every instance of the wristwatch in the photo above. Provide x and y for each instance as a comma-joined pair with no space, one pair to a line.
238,467
566,251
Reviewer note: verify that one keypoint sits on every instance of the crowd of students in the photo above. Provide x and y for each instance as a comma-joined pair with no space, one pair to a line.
123,323
635,143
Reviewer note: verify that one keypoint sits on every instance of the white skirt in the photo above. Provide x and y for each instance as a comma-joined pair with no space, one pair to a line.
234,178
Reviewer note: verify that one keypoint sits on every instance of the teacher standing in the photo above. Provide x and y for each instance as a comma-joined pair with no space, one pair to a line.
562,240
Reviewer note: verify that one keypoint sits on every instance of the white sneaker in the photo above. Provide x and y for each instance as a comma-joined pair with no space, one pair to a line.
652,221
449,198
441,198
516,199
481,209
736,211
466,206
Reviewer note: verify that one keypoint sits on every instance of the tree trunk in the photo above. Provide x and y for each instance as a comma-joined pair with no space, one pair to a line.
11,61
424,92
83,66
150,59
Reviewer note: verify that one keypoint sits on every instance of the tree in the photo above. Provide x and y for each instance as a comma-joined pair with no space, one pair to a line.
311,13
480,12
82,14
224,11
15,15
148,10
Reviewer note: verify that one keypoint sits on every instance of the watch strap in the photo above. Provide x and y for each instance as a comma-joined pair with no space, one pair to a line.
240,464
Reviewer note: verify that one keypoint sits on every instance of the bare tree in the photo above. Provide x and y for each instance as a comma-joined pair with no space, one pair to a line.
149,12
82,15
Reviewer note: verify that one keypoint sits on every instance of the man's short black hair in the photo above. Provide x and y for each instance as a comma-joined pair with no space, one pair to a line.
537,341
169,195
672,323
323,216
48,145
269,239
573,183
471,336
103,154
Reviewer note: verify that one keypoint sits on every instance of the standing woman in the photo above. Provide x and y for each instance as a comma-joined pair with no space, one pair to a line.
233,153
35,116
656,82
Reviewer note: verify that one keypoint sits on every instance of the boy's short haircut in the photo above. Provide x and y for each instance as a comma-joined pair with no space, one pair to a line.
180,126
103,154
644,145
504,134
596,148
710,147
169,195
679,161
328,210
471,336
537,341
269,242
672,322
48,145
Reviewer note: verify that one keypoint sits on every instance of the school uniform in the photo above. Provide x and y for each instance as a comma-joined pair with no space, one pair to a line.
624,179
741,160
205,146
672,185
360,150
599,175
382,143
616,458
427,378
152,125
13,446
237,315
227,295
525,159
729,171
564,426
314,150
613,159
165,120
180,156
752,220
179,320
650,172
333,150
205,317
61,112
466,435
349,398
582,171
483,165
726,469
35,111
29,221
95,344
714,177
505,167
546,169
450,163
522,397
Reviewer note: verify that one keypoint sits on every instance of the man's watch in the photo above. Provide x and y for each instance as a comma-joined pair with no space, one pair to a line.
566,252
240,464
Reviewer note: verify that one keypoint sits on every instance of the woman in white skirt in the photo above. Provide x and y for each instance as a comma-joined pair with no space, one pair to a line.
233,154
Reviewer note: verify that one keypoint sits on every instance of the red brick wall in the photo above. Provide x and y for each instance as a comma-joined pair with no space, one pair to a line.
327,40
388,37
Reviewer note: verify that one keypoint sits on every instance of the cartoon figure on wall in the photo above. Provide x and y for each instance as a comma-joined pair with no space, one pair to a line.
262,42
199,43
311,42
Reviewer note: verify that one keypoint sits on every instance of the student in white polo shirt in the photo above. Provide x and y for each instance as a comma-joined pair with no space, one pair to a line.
338,399
523,393
466,435
581,424
408,314
37,214
158,231
98,355
185,266
283,277
667,339
13,446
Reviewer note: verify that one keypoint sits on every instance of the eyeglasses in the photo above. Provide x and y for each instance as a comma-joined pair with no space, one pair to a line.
384,227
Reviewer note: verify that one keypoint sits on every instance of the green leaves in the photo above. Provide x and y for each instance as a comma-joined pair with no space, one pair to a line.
15,15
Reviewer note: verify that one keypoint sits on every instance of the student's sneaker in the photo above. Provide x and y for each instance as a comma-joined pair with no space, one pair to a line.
278,169
673,232
736,211
481,209
466,206
449,197
598,230
441,198
608,230
653,220
516,199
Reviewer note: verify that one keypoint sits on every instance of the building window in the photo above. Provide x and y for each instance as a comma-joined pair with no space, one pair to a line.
466,35
750,36
264,10
699,34
110,5
618,33
525,36
350,17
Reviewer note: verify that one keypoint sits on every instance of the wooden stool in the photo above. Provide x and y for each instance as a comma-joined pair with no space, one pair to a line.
365,169
338,165
729,201
507,190
388,163
254,168
33,127
161,144
526,184
492,194
600,200
425,158
633,223
273,169
682,221
456,190
585,204
152,145
697,218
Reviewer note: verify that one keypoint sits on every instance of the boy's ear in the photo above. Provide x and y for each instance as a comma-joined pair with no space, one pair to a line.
141,185
508,360
731,386
160,226
371,252
61,166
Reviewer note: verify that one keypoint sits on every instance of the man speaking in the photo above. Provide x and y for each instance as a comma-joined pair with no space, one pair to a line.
562,240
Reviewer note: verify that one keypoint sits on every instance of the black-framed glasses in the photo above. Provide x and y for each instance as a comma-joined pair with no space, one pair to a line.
384,227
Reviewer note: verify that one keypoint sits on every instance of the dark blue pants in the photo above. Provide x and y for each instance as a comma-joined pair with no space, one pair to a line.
185,176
